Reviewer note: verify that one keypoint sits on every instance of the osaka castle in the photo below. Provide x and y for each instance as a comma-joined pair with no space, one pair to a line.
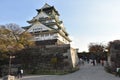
49,33
47,28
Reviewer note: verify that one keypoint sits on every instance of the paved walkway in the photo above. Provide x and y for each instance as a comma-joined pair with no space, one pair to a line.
86,72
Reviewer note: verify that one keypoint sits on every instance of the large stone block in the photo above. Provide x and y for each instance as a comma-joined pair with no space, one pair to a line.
9,77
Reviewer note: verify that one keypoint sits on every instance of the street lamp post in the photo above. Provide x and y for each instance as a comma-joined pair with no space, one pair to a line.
10,60
9,77
9,72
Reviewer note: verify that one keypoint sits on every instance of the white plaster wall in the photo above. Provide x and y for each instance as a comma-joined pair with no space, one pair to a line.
41,15
62,25
48,21
57,17
62,39
55,27
37,26
74,57
45,37
62,32
51,36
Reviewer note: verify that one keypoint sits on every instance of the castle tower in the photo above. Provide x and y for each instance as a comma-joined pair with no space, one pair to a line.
47,28
49,32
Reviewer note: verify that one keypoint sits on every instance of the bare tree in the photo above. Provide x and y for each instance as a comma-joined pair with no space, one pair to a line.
93,47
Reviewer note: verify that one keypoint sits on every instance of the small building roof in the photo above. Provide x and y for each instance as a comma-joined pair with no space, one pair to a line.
46,6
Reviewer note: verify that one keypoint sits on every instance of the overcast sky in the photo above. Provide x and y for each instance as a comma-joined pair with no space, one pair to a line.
86,21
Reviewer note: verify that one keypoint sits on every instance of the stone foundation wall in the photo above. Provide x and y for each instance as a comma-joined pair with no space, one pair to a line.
49,57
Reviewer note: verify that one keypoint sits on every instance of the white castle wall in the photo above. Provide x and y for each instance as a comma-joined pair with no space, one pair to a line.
41,15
